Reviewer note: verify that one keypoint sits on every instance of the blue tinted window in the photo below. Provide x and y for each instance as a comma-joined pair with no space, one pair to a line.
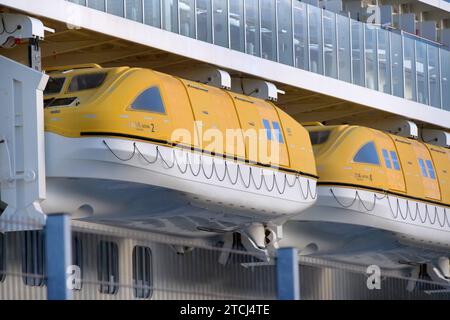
276,127
395,160
367,154
422,168
431,170
268,129
387,161
149,100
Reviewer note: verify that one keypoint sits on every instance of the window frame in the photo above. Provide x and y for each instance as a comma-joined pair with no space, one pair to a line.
387,159
143,256
130,107
112,266
105,74
268,129
431,170
34,241
378,164
277,129
395,160
423,168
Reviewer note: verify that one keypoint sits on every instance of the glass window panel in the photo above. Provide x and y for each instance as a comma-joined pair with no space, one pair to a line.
278,132
358,52
97,4
387,160
422,168
86,82
108,267
329,45
384,62
252,27
268,30
367,154
344,55
115,7
237,30
434,76
134,10
319,137
395,160
150,100
82,2
220,16
187,17
152,13
284,11
397,64
445,78
268,129
300,36
409,67
142,272
315,39
170,15
422,72
371,57
204,20
431,169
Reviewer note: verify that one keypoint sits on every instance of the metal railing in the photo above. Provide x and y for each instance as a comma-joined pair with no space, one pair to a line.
306,37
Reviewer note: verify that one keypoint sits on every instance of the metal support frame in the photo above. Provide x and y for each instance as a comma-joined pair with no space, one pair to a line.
58,256
34,54
288,276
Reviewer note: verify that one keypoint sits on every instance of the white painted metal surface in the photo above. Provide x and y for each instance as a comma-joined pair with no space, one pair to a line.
22,151
17,26
365,227
149,187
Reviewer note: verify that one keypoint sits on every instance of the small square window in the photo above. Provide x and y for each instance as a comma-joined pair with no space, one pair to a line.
108,267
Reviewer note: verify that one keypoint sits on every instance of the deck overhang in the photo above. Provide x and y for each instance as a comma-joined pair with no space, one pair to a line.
84,35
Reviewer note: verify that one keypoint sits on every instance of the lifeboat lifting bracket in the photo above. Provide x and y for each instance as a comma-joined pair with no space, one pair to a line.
22,146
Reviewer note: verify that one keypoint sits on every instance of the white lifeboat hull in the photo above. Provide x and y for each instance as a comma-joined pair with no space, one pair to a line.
148,186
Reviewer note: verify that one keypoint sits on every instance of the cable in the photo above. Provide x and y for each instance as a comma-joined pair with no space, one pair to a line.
6,30
233,179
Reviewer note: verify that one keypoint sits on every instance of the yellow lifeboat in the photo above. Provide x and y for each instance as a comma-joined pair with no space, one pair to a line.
137,148
382,198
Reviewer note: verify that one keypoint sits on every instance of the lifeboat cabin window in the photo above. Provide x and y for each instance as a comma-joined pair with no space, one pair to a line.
33,258
142,272
319,137
395,160
108,267
2,257
387,160
367,154
86,82
150,100
431,170
54,86
268,128
422,168
276,127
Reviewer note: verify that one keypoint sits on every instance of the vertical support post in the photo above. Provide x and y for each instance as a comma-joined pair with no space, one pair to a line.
34,54
59,256
288,281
